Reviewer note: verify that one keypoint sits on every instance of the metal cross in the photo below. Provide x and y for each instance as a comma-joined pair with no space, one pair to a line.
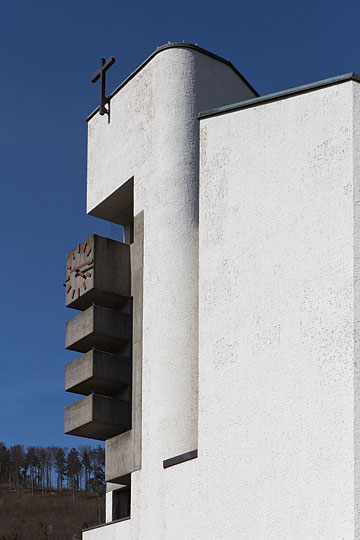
100,74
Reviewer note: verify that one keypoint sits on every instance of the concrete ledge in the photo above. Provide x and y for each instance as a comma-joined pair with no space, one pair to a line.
181,458
97,417
105,524
99,372
117,207
98,328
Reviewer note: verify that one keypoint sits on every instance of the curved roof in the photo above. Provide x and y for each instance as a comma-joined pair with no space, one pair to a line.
177,46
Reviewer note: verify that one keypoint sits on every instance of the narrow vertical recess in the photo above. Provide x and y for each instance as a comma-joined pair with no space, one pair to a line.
121,499
123,452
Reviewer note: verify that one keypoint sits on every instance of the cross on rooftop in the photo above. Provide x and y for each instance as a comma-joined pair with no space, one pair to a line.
100,74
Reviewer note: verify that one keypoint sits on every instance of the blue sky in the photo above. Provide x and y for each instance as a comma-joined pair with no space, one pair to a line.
49,50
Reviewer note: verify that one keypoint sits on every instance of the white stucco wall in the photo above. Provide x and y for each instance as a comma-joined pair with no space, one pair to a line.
108,506
153,136
276,356
356,181
275,425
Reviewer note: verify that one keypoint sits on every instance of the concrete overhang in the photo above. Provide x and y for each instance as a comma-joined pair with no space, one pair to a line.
98,328
97,417
97,371
118,207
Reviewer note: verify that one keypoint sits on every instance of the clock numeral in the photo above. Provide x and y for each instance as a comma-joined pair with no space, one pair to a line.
85,246
67,279
88,274
73,294
73,255
68,289
84,285
68,267
88,253
79,248
79,292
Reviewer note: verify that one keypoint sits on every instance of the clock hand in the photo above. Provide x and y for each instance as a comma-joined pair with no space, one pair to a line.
76,268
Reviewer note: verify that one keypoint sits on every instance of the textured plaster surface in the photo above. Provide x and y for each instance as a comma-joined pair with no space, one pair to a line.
356,172
108,506
153,137
276,305
276,318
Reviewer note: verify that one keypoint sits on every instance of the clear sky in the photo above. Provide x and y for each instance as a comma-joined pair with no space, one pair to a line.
49,50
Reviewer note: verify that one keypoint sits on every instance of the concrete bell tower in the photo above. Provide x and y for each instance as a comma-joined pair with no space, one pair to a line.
219,341
143,173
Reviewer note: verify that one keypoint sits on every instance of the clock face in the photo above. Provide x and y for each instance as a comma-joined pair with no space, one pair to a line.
79,271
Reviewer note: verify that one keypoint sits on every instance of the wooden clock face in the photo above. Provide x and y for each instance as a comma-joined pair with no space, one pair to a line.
79,271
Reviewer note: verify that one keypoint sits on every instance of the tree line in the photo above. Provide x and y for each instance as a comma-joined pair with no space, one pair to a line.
53,467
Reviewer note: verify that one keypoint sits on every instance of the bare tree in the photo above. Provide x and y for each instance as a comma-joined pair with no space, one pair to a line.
4,463
59,465
32,463
49,463
97,458
17,461
83,467
73,468
84,451
42,456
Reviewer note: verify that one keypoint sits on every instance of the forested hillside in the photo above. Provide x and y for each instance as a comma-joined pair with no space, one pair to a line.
50,492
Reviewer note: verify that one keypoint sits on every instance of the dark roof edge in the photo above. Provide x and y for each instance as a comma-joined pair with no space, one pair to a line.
105,524
280,95
176,46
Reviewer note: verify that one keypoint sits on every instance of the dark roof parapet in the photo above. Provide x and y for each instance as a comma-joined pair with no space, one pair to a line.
280,95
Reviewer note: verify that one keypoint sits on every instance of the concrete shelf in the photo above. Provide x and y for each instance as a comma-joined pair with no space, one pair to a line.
99,372
98,328
97,417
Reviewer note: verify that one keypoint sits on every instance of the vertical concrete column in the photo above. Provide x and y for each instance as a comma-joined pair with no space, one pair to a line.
169,199
184,82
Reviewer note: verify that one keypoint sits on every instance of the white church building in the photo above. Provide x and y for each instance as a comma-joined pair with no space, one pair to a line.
242,220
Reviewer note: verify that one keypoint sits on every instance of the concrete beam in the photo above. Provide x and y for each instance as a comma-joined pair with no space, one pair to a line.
98,328
97,417
100,372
